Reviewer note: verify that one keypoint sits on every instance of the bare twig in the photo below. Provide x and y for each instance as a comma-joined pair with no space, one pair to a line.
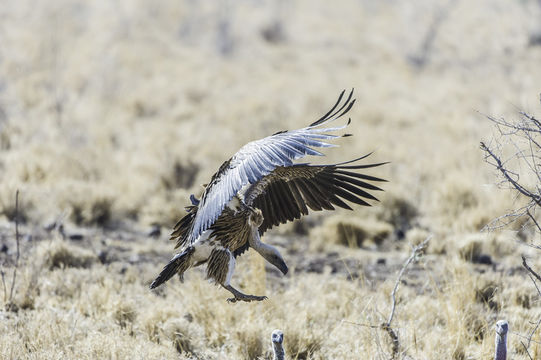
520,169
8,300
414,252
531,274
363,325
4,284
526,349
505,172
17,241
533,219
387,325
530,269
529,338
530,335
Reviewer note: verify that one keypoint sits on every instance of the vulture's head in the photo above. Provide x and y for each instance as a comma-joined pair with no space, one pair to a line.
277,337
502,327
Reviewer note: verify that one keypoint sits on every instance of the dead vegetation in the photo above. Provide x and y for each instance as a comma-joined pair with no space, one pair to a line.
112,114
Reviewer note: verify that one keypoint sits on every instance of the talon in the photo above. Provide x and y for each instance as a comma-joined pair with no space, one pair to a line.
238,296
247,298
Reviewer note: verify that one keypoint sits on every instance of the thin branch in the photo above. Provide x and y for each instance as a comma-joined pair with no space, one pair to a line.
505,173
525,337
530,245
4,284
413,255
387,326
535,284
9,300
530,269
531,274
530,335
533,219
17,241
362,325
527,352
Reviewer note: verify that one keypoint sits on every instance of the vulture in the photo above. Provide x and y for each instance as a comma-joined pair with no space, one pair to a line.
261,187
277,339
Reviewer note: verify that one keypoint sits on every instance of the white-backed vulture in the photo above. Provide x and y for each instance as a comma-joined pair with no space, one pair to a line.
260,187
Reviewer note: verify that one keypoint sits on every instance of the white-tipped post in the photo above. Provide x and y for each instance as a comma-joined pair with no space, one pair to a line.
277,339
502,328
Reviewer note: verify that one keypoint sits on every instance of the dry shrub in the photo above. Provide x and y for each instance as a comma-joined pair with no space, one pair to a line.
124,313
469,247
417,235
502,243
350,231
301,343
459,352
457,195
399,212
486,291
523,298
89,205
251,344
181,175
61,254
466,209
182,343
164,208
7,204
154,323
26,287
475,323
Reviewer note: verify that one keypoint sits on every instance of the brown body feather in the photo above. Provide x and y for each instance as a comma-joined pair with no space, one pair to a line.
232,229
218,265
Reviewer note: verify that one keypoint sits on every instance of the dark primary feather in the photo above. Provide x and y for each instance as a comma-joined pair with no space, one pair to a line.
288,192
182,227
258,159
179,264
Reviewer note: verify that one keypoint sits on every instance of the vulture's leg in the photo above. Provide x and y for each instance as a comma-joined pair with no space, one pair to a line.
220,267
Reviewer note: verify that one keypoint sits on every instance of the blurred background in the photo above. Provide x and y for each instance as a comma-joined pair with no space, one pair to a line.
117,109
113,112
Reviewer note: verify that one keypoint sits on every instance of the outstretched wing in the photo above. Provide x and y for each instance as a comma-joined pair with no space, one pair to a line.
258,159
288,192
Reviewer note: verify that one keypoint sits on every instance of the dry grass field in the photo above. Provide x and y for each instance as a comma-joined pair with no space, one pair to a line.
113,112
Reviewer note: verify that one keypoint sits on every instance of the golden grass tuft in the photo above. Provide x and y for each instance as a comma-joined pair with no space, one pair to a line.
470,247
351,231
398,211
124,313
486,291
164,208
60,254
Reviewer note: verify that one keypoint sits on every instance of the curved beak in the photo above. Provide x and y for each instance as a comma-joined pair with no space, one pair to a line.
281,265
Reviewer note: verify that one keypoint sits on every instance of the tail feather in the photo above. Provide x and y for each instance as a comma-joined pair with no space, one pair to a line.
178,264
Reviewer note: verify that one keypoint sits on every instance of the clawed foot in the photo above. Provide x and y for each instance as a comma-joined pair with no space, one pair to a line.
247,298
238,296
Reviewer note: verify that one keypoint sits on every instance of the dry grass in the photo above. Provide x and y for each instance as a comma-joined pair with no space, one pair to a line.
112,113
